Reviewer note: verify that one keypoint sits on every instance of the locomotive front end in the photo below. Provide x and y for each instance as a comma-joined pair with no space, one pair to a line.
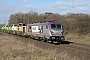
56,32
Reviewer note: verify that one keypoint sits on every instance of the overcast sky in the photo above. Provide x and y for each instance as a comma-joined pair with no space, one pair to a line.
8,7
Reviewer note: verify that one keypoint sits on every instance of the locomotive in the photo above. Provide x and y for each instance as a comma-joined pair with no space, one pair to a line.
49,31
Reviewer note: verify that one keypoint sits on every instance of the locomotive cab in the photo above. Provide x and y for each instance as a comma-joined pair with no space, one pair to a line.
56,32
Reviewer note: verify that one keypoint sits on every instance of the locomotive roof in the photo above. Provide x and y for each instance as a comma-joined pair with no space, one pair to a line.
45,23
37,24
54,22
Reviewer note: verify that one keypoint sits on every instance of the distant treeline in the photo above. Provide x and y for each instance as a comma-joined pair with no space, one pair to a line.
77,23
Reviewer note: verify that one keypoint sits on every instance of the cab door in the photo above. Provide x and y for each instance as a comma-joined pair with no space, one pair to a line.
24,30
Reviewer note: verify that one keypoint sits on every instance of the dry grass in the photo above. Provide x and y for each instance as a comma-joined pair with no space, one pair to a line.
62,56
83,39
11,48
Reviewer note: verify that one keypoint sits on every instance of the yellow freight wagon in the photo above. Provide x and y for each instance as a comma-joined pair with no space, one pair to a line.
21,29
7,27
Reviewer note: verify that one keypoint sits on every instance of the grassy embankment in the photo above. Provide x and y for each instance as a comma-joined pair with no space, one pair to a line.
74,37
13,48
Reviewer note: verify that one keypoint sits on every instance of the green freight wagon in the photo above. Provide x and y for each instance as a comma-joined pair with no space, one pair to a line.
12,28
2,28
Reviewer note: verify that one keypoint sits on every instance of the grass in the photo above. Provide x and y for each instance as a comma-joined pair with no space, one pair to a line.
12,48
83,39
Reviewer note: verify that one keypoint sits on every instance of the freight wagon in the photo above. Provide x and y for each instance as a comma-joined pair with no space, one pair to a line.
12,28
5,28
2,28
21,29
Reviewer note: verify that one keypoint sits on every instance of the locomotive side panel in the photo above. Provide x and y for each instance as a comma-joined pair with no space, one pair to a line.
35,30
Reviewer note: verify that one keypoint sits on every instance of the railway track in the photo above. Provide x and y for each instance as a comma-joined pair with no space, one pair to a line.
77,50
79,47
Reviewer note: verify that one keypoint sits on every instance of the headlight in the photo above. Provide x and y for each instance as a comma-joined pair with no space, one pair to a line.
62,38
52,32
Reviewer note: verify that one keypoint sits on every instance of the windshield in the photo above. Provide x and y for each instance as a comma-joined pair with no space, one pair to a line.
55,26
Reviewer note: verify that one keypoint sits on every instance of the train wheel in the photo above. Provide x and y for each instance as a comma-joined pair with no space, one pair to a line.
44,39
30,37
39,38
49,41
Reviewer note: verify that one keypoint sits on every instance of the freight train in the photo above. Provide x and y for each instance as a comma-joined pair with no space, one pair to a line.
50,31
